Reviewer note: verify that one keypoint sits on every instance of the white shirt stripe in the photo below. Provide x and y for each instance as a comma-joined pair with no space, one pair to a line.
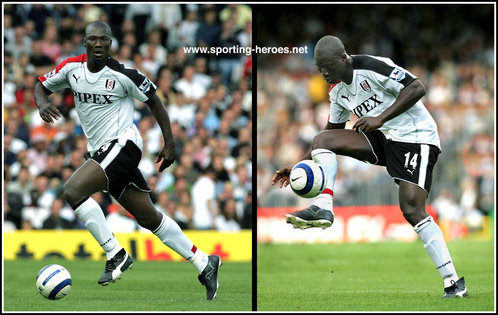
424,160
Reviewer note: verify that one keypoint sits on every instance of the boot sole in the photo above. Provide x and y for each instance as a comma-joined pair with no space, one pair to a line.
299,223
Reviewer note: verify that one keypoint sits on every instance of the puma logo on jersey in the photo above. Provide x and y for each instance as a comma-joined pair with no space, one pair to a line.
410,171
346,97
92,98
367,105
76,78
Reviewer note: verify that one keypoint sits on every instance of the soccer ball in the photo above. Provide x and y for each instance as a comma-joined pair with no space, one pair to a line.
307,179
53,282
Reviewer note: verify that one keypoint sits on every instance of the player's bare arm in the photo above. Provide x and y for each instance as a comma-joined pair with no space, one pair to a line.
282,175
48,112
167,154
406,99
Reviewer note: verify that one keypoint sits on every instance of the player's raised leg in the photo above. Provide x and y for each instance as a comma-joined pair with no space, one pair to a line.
324,148
412,201
88,179
139,204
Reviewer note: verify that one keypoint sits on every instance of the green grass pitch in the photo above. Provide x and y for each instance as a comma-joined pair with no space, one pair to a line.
389,276
149,286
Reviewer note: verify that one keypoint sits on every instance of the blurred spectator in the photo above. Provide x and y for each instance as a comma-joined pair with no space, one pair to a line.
184,212
55,220
191,174
227,61
182,111
240,14
191,89
12,212
49,44
139,14
245,36
204,201
242,189
8,222
209,29
39,14
46,193
124,55
67,50
34,215
167,18
37,155
42,62
226,221
23,185
221,175
12,146
162,202
246,221
187,29
164,87
20,44
8,29
200,75
154,53
469,203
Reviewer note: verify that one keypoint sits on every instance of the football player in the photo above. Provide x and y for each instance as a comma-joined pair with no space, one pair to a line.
103,92
394,130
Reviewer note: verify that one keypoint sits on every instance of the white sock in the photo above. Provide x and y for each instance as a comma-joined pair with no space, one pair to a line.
172,236
91,214
200,260
328,160
435,245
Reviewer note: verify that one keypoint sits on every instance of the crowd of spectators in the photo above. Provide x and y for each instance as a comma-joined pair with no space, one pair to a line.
448,47
208,99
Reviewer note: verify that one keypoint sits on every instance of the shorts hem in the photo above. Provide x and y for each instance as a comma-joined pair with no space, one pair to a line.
371,148
105,174
427,194
132,183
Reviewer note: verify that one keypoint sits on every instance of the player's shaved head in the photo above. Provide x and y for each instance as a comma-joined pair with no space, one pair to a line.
332,60
99,24
328,47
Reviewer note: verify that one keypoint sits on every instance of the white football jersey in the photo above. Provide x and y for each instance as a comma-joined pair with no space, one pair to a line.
376,84
103,100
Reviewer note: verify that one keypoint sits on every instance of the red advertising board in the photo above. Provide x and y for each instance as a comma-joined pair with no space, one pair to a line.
351,224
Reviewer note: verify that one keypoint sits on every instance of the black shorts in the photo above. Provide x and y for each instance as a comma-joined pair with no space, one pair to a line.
120,165
411,162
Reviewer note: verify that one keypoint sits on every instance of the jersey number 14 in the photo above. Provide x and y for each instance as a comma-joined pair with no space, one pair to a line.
412,162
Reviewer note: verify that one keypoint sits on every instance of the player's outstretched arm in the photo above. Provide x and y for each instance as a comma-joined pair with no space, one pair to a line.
408,96
48,112
167,154
282,175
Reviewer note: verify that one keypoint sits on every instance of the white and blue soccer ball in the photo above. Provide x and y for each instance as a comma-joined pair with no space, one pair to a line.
307,179
53,282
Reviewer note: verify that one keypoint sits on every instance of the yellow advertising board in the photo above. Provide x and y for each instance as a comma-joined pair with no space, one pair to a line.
79,244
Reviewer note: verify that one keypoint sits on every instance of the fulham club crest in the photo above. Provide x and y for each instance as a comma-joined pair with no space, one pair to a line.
109,84
365,86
